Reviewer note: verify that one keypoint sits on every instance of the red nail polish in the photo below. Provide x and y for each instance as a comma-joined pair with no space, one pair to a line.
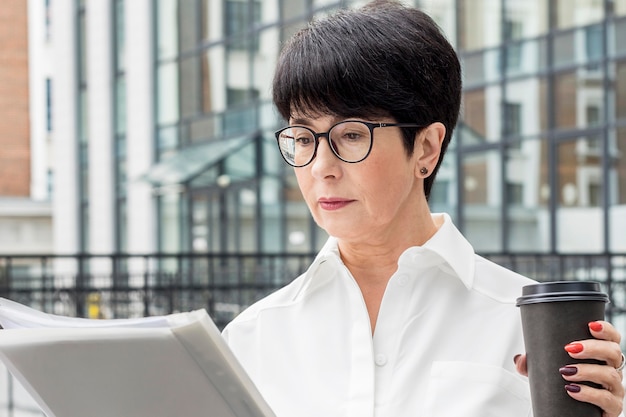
595,326
574,348
572,388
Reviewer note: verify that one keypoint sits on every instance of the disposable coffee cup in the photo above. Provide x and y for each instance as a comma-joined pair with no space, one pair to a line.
553,315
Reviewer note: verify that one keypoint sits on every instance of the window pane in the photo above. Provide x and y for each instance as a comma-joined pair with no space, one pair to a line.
320,3
480,23
271,198
617,204
83,115
199,226
120,35
518,24
527,196
618,168
443,196
578,12
169,222
620,90
188,25
482,116
481,67
293,8
167,100
482,196
264,68
214,80
190,86
564,49
566,85
528,107
444,13
240,17
212,21
167,28
617,32
48,105
120,105
619,6
526,57
122,226
579,212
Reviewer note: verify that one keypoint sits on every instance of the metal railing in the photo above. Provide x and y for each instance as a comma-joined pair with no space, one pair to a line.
122,285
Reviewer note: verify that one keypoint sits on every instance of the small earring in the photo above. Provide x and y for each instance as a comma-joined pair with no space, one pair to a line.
423,170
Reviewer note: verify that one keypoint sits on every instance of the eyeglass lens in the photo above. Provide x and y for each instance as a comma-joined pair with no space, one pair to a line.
350,141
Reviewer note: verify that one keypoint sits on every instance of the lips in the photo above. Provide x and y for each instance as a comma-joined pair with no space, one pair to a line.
333,203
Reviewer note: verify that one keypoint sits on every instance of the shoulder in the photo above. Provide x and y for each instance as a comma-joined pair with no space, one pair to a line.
497,282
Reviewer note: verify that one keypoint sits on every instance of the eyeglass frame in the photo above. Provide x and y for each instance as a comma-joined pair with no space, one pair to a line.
370,125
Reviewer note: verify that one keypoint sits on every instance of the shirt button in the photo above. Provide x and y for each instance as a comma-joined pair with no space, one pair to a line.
381,360
402,280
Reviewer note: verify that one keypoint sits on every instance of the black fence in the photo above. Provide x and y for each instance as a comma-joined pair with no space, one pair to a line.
121,286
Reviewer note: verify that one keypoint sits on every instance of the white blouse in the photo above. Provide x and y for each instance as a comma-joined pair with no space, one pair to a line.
444,343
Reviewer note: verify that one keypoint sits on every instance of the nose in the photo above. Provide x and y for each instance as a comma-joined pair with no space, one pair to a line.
325,164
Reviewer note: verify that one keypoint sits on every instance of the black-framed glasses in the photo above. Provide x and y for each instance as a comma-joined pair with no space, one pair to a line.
350,140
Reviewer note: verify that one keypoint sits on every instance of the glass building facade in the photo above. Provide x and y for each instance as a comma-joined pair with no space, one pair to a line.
537,164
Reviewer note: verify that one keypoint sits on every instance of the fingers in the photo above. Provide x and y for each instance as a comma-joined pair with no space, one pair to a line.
606,349
521,364
610,402
605,331
609,378
602,350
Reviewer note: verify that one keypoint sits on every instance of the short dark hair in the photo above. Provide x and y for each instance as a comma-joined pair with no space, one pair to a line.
381,60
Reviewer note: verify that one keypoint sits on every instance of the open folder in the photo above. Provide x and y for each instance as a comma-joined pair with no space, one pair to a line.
165,366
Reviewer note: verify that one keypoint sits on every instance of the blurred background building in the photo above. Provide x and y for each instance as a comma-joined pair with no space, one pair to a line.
144,133
161,124
25,210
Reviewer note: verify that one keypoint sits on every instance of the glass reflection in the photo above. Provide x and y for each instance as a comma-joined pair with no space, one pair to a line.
617,194
527,196
579,198
482,198
578,12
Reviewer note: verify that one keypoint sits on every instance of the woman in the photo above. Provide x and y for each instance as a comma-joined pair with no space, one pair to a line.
396,316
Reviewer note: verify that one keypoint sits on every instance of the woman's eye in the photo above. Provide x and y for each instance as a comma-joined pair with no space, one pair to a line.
352,135
304,140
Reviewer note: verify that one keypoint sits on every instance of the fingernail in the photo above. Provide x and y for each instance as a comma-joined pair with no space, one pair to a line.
595,326
516,357
574,348
568,370
572,388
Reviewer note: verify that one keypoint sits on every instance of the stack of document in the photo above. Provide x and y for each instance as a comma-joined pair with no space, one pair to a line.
174,365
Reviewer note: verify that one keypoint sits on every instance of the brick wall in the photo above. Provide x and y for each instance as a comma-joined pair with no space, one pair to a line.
14,121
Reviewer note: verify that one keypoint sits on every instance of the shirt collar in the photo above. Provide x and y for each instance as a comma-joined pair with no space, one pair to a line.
454,249
453,253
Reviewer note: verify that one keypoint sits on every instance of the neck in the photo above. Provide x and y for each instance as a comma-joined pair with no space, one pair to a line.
373,261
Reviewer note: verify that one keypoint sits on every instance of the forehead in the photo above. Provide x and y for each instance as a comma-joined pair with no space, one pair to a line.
311,120
312,114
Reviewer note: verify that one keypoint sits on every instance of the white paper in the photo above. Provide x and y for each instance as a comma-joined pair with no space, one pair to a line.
165,366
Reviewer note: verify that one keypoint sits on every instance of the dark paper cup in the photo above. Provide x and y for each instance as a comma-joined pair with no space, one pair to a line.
553,315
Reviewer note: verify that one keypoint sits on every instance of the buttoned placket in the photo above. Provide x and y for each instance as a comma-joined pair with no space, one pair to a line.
362,377
391,319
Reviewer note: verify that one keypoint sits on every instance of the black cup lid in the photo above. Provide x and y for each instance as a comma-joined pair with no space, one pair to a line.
546,292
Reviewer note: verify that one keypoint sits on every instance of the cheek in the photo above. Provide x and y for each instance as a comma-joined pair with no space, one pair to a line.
305,182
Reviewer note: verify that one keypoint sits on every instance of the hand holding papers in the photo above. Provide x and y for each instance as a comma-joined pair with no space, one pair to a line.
175,365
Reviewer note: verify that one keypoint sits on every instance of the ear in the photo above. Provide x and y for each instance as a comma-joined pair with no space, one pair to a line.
428,148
